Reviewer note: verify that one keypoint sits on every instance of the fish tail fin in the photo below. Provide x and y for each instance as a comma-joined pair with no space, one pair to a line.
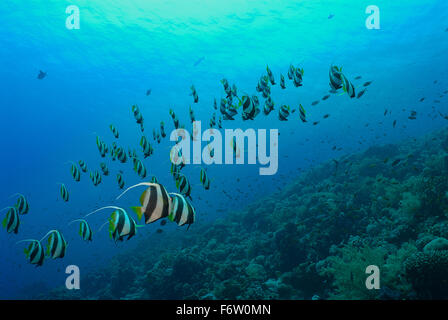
138,211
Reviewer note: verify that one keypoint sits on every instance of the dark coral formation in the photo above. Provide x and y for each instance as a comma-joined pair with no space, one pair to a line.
314,239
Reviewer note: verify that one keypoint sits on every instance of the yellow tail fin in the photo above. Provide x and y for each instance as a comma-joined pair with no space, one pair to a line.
138,211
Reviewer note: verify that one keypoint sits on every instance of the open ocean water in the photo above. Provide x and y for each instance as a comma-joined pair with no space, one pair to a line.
360,180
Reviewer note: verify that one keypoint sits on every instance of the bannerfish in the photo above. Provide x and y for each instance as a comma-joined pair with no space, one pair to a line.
114,131
82,165
56,245
283,112
120,180
85,231
302,113
11,222
104,168
183,185
34,252
155,202
204,179
182,211
22,204
64,192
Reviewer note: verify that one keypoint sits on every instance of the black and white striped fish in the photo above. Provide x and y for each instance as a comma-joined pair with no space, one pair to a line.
121,225
34,252
114,131
56,245
182,211
282,82
84,229
183,185
82,165
270,75
302,113
291,71
194,94
139,168
175,119
22,204
348,87
64,192
250,111
138,116
104,168
11,222
146,146
162,129
298,77
192,118
268,105
284,112
95,177
102,147
76,174
121,155
155,202
204,179
120,180
335,74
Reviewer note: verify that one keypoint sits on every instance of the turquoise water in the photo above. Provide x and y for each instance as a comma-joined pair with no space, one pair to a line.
123,48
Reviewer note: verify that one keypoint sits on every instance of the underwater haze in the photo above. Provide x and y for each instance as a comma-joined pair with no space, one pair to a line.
362,148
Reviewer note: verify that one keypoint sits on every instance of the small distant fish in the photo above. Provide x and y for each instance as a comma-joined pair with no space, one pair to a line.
367,83
22,205
361,93
315,123
358,77
315,102
326,97
204,179
330,16
41,75
104,168
302,113
194,94
83,165
114,131
148,92
282,82
385,112
120,180
85,231
394,123
421,99
199,61
396,162
64,192
326,116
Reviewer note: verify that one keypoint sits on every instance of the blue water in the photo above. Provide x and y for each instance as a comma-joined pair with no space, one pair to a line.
123,48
